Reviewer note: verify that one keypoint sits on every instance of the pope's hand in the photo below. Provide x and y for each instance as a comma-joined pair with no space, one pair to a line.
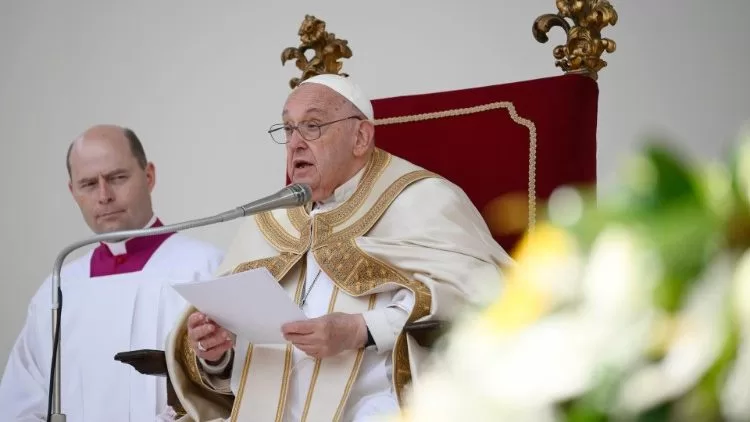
207,338
328,335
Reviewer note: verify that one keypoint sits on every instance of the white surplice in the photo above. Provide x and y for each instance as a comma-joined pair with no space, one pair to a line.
101,317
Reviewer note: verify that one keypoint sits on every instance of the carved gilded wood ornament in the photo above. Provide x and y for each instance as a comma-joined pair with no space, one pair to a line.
580,54
584,47
328,49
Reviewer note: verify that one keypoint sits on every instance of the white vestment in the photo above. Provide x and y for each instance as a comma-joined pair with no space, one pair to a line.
102,316
395,243
372,393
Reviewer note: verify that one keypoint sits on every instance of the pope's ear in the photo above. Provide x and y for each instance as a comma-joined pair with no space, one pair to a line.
365,138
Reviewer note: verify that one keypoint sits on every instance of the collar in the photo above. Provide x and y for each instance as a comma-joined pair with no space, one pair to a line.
129,245
340,194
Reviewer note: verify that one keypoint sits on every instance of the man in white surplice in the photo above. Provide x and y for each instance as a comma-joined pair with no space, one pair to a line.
115,298
385,242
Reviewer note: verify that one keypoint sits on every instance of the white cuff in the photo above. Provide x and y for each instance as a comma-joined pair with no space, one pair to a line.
220,367
385,324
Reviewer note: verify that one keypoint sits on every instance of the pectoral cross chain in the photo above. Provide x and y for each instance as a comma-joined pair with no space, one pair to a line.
304,287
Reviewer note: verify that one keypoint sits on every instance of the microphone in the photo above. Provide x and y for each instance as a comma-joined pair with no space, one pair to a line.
291,196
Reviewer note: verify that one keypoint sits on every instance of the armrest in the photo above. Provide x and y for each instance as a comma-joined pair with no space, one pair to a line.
152,362
426,333
145,361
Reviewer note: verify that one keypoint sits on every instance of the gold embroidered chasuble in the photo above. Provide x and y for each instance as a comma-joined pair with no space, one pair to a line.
391,233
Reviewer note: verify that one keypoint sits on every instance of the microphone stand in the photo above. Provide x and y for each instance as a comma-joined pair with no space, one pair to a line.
290,196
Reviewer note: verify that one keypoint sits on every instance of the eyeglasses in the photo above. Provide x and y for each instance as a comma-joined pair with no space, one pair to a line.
281,132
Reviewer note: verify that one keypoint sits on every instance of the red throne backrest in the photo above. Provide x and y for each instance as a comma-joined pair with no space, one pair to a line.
525,138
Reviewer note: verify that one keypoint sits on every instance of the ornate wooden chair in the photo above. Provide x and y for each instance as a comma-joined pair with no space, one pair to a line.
508,146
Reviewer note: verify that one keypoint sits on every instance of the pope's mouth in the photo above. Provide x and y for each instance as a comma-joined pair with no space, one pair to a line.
302,165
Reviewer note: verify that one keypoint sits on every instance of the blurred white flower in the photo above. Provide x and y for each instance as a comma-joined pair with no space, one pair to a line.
620,277
563,319
698,335
565,206
735,394
741,298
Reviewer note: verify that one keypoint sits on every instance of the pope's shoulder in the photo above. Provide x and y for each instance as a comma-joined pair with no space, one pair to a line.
434,203
433,192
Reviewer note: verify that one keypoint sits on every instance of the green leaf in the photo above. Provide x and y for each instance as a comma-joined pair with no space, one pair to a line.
656,180
685,237
594,406
660,178
660,413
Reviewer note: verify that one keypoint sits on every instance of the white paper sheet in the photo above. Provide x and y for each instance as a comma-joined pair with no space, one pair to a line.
250,304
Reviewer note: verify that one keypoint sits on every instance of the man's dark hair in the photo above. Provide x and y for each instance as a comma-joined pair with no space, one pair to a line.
136,148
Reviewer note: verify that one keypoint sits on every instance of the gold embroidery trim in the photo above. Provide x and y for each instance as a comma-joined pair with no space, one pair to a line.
401,367
278,265
379,161
316,371
288,357
308,400
422,305
480,109
354,271
248,357
349,267
290,248
355,372
325,236
243,379
188,360
358,273
278,237
299,217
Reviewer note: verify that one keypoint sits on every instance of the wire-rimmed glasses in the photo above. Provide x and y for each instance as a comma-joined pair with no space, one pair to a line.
282,132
